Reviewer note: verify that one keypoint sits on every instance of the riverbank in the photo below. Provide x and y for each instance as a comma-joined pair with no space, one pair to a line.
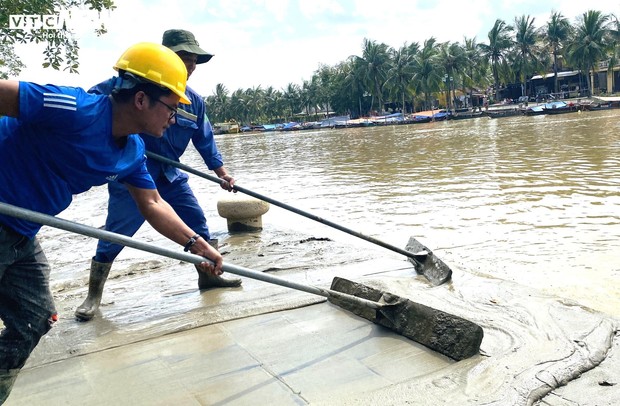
494,111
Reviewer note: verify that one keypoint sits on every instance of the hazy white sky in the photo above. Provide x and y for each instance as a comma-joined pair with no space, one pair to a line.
277,42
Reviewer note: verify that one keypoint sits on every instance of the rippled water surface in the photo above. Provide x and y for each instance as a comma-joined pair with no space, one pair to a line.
530,199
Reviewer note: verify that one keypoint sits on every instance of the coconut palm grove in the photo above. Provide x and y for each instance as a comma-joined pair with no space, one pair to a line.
579,55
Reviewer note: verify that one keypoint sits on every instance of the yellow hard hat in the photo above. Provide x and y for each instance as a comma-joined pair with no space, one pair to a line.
157,64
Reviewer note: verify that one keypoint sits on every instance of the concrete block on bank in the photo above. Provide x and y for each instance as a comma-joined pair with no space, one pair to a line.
243,213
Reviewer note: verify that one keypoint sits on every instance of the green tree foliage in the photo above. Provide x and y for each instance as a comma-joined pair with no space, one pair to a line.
426,71
497,49
452,59
374,65
589,43
417,77
398,76
475,71
555,35
527,49
61,49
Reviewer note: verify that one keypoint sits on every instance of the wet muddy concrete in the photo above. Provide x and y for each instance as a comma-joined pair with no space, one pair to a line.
159,340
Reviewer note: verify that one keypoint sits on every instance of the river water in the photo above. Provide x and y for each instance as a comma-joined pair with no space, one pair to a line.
532,200
535,200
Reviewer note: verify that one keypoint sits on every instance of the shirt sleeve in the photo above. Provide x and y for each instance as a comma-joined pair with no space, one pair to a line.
46,104
59,108
204,142
140,178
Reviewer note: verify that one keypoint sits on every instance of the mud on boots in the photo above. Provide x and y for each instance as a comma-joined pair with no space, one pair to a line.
99,272
208,281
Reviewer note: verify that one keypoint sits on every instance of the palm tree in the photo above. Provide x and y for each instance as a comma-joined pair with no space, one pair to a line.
399,74
414,86
325,76
614,47
254,101
218,103
273,103
496,50
588,46
527,50
475,68
292,98
309,96
452,59
352,84
555,35
374,62
425,72
237,105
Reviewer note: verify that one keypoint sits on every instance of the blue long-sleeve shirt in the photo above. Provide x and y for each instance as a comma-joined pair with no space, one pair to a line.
192,124
62,145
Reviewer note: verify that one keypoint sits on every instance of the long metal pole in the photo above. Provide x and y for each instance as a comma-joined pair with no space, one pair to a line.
93,232
417,258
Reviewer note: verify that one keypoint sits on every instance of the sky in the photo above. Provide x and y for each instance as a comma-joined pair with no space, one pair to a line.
277,42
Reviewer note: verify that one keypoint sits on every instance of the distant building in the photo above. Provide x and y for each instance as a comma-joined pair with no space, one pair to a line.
571,84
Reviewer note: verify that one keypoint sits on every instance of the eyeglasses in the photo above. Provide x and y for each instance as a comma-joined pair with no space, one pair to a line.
173,111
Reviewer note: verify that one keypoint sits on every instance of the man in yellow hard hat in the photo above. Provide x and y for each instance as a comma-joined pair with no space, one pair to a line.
59,141
123,216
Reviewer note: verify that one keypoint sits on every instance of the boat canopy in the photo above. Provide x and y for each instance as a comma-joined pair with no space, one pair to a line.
560,75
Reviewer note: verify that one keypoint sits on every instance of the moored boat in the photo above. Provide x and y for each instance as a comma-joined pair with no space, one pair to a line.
229,127
554,107
418,119
498,113
534,111
465,115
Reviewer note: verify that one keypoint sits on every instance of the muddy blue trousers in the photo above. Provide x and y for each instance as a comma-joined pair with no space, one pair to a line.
26,303
125,218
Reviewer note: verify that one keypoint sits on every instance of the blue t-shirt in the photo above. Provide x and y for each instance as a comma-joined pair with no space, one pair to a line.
62,145
192,124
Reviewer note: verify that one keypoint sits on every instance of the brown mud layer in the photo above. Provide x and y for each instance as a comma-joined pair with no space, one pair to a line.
157,339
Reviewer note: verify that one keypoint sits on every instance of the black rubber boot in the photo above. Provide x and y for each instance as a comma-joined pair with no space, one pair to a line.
208,281
215,243
7,379
99,272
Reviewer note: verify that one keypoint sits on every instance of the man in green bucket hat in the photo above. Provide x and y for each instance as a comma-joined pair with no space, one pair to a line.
123,217
184,41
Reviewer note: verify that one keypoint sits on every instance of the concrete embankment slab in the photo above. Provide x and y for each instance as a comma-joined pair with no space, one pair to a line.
160,341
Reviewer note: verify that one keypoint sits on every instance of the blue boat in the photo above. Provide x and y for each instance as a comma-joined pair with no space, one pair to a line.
554,107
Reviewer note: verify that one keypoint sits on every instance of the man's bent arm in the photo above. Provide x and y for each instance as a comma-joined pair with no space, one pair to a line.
165,220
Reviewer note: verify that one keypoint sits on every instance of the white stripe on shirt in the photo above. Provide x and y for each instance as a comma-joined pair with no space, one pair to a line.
60,106
187,115
66,96
59,101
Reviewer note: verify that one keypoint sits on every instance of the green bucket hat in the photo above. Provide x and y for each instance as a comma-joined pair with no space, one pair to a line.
182,40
